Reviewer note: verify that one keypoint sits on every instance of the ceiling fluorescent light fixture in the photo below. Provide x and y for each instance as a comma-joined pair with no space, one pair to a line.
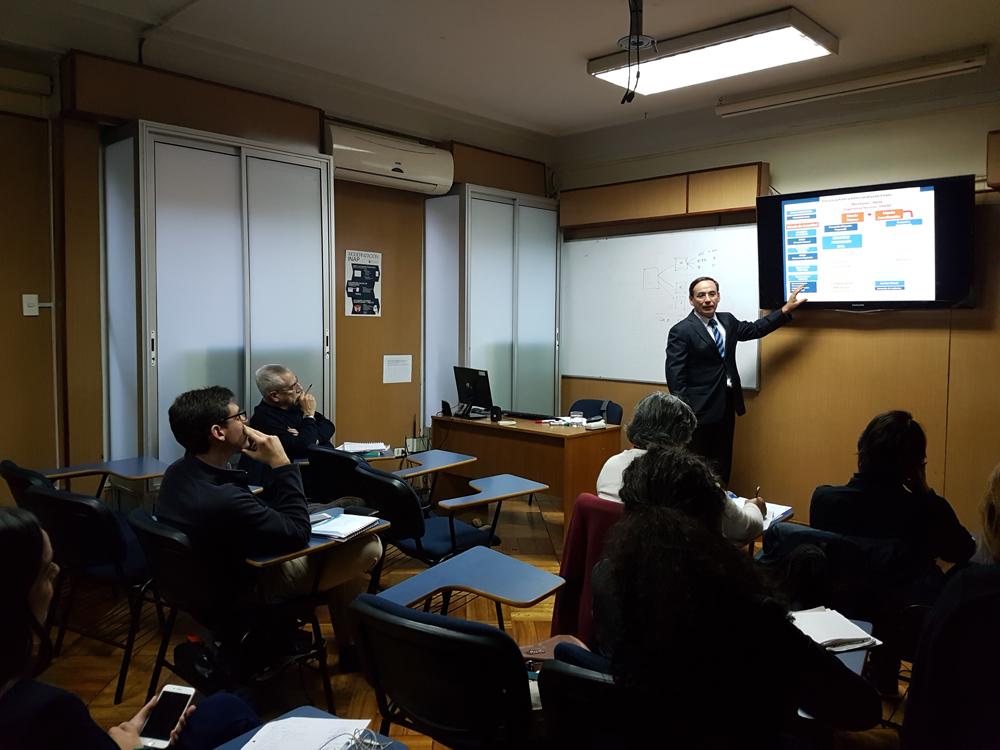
916,71
767,41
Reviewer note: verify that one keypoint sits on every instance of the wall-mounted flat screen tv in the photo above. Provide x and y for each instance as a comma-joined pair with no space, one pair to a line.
899,245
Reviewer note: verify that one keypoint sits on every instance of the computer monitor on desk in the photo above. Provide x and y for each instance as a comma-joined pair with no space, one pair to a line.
473,392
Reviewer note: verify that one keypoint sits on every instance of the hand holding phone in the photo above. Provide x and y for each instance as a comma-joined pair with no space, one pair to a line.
169,711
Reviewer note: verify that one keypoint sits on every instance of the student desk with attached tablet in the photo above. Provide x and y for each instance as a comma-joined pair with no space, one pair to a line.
568,459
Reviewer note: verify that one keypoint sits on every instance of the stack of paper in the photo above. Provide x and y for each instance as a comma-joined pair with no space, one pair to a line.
362,447
832,630
343,526
306,733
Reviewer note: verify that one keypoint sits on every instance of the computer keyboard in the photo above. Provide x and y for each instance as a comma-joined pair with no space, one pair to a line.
527,415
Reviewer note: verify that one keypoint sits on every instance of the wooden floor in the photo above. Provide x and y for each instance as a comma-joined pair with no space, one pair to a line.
89,668
532,534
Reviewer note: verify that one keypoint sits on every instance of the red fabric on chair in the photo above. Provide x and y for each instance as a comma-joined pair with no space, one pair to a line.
592,517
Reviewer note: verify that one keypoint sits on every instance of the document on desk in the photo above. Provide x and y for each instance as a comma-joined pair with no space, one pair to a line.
344,526
775,512
832,630
306,733
362,447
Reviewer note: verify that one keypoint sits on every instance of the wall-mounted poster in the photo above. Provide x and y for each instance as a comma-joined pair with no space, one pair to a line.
363,272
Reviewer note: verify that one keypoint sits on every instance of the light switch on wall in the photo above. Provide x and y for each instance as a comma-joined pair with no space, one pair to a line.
29,304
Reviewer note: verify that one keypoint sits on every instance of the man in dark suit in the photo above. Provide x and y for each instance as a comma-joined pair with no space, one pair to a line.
701,367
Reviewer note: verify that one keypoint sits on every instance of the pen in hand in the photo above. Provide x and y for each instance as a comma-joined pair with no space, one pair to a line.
759,502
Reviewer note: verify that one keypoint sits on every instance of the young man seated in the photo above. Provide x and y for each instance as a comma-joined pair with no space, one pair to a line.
213,504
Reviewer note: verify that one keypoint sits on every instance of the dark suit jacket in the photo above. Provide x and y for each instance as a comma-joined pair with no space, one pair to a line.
696,372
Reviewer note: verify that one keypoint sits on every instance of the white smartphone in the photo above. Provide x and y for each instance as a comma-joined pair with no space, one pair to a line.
170,706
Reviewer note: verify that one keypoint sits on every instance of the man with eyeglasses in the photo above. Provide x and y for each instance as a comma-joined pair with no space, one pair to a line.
227,523
288,411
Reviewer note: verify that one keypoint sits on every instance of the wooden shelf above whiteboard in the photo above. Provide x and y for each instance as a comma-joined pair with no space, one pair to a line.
709,191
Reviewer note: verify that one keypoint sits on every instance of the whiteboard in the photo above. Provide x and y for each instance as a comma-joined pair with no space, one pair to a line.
619,296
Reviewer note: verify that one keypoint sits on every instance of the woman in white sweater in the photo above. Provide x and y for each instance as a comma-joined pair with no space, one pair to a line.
662,420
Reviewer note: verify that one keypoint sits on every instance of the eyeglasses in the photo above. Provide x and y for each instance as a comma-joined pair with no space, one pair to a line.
241,415
293,388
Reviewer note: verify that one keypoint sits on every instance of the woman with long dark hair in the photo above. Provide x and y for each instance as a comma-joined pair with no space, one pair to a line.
687,622
34,715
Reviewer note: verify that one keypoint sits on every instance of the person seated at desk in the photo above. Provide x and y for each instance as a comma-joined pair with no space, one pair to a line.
212,503
34,715
662,420
954,691
685,617
289,412
889,498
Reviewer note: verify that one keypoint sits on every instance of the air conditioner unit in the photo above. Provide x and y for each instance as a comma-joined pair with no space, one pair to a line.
377,159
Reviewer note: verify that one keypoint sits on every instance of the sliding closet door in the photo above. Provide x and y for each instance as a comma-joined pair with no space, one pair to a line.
535,326
288,263
196,316
489,280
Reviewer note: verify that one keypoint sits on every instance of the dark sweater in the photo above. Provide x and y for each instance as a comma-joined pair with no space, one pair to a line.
274,420
875,508
36,716
954,691
789,672
225,520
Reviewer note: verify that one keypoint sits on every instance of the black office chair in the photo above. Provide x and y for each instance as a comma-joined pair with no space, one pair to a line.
462,683
570,692
20,479
593,407
428,539
90,541
209,594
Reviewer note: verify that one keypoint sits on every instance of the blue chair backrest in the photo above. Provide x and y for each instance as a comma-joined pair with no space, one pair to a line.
461,682
592,407
83,530
20,479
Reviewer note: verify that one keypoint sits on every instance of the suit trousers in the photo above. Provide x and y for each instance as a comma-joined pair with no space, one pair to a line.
715,441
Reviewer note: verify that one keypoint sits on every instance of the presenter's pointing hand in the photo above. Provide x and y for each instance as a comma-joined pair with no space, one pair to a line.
794,300
264,448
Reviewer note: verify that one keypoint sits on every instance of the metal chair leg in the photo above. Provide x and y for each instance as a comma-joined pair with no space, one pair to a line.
320,647
161,655
64,616
499,615
135,613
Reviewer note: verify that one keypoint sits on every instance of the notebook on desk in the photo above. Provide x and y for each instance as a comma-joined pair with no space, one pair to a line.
344,527
362,447
832,630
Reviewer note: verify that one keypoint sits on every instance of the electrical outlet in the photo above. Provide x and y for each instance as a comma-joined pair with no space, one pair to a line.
29,305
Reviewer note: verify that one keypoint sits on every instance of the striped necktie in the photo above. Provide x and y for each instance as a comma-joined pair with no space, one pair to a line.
719,343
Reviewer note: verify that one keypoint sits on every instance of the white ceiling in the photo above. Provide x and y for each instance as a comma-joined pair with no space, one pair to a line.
518,62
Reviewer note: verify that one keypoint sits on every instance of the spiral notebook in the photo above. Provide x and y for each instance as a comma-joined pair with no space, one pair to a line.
344,526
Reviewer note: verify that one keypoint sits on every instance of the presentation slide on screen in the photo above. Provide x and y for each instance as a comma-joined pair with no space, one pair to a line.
869,246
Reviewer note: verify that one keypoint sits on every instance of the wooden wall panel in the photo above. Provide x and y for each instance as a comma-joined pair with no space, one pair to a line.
480,166
628,201
101,88
822,379
80,148
28,436
726,189
973,394
390,222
